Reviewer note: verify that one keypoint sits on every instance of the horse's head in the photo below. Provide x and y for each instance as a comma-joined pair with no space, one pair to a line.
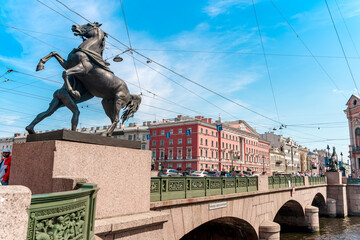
87,30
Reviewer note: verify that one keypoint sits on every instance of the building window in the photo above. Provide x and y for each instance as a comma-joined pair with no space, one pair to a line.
201,130
143,137
206,142
212,143
130,137
153,154
180,130
154,143
161,142
189,140
201,152
201,141
171,154
179,141
154,133
143,146
206,131
206,153
179,153
162,132
169,165
188,153
223,145
179,165
188,165
171,131
170,142
162,153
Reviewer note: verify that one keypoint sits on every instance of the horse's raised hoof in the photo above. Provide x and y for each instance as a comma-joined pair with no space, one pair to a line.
30,130
40,66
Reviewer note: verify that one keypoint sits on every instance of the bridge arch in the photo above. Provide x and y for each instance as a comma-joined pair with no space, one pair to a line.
229,228
320,202
290,215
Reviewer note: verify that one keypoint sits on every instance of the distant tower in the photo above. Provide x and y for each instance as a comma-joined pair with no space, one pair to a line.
353,115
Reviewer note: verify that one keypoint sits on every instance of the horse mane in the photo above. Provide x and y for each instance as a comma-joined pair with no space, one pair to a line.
102,45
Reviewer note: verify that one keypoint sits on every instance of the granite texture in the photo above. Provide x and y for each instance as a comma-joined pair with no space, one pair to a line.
14,203
137,226
122,174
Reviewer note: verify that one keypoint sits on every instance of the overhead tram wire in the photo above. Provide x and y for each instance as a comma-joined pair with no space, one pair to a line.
307,48
266,61
347,29
128,35
57,12
341,45
241,53
178,74
31,36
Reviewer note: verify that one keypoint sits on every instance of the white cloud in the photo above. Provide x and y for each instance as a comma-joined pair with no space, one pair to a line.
217,7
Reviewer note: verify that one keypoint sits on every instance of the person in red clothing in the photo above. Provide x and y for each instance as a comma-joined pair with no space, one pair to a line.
5,167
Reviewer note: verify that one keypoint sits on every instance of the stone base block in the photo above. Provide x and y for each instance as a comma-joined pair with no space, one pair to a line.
138,226
14,203
269,231
122,174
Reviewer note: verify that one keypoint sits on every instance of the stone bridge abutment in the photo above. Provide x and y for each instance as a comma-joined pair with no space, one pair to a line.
259,213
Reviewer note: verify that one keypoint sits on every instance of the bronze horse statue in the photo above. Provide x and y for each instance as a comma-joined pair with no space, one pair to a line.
86,75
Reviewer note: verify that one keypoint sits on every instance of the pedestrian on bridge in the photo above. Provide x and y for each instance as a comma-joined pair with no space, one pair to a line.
5,166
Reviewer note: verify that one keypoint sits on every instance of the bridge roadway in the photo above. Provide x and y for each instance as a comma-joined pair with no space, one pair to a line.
253,215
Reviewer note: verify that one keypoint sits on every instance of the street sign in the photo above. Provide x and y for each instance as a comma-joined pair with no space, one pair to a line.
167,135
219,127
148,136
188,132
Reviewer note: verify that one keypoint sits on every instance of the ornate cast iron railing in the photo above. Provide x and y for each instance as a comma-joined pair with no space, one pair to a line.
169,188
283,182
63,215
353,181
316,180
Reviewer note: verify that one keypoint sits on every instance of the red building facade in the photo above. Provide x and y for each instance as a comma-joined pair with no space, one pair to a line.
197,144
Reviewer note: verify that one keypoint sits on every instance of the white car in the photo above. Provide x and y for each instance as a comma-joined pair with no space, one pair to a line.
199,174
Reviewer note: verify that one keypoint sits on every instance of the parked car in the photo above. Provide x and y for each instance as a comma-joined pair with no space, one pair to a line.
213,174
225,174
238,173
169,173
188,172
199,174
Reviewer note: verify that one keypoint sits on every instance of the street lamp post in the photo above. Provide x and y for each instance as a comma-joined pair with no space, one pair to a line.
263,157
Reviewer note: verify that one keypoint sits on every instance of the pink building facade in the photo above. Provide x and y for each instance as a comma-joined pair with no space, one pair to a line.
353,115
197,144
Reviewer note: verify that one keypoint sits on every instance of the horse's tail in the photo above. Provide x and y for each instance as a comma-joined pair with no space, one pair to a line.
131,107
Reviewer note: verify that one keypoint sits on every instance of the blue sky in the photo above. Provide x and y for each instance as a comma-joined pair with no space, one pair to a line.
215,43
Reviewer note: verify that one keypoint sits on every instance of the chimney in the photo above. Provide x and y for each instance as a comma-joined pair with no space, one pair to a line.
131,124
135,124
92,129
199,117
164,120
122,125
16,134
148,123
144,123
104,127
97,128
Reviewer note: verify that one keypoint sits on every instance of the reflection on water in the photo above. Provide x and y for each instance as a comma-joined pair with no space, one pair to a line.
330,229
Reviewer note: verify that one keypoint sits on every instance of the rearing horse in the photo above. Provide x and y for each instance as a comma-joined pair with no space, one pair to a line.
86,65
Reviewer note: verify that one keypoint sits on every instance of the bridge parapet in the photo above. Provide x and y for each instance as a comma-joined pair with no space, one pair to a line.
170,188
282,182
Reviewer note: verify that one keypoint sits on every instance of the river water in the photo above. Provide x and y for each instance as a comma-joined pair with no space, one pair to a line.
330,228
